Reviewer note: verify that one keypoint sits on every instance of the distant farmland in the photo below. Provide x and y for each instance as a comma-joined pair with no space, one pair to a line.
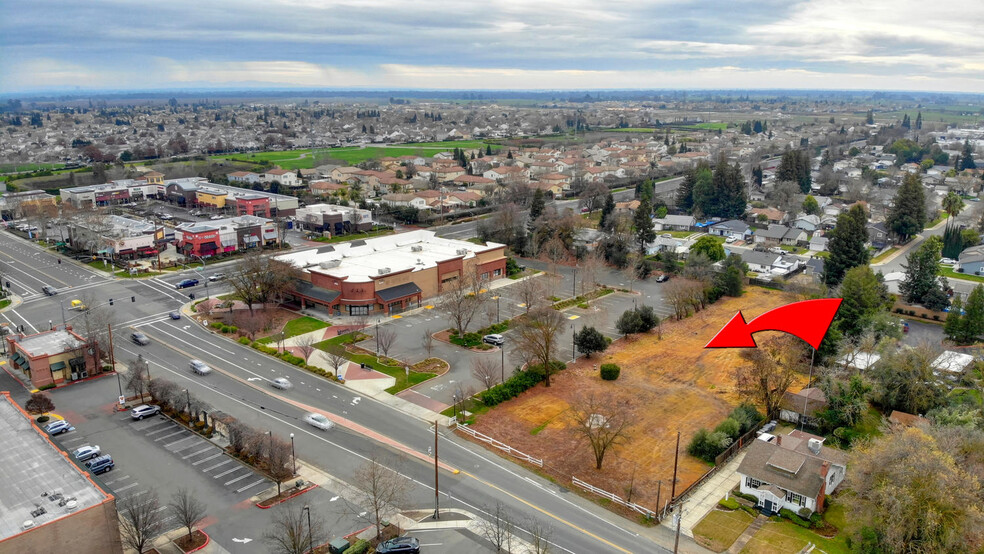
305,158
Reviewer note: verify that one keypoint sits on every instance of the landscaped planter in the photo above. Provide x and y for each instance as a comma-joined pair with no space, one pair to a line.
199,540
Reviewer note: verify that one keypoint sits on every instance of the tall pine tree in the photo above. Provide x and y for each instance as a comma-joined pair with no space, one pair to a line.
908,216
607,211
645,231
847,244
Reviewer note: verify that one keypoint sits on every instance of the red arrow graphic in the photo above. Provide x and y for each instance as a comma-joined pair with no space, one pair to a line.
808,320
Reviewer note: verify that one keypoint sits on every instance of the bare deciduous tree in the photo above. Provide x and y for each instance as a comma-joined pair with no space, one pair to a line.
138,376
602,421
278,460
540,533
772,369
305,344
335,354
537,334
289,533
588,270
140,519
187,509
249,322
487,370
385,337
680,294
380,492
498,528
164,392
531,292
462,299
427,341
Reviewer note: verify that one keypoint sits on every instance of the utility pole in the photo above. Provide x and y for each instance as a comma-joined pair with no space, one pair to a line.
806,398
112,358
676,459
437,494
676,541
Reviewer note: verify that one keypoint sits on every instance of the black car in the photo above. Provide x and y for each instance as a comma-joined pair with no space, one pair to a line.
408,545
49,290
140,338
187,283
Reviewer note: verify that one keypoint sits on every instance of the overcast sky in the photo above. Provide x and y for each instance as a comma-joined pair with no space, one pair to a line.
492,44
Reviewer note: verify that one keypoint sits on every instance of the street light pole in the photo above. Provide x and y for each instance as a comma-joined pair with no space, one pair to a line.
310,540
573,344
188,398
502,362
293,456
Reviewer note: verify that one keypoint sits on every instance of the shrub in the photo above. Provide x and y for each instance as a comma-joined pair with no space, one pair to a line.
233,329
42,419
583,305
899,310
361,546
748,497
216,325
706,445
729,503
46,387
747,415
245,340
936,317
912,312
729,427
790,515
610,372
516,384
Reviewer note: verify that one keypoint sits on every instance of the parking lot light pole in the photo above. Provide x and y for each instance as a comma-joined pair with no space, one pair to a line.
502,362
573,344
307,509
293,456
188,398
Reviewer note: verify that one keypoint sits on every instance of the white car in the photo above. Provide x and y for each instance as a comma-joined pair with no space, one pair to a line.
948,261
200,367
319,421
777,250
216,217
86,452
731,239
281,383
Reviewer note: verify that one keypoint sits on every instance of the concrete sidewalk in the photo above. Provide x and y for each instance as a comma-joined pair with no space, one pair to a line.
706,497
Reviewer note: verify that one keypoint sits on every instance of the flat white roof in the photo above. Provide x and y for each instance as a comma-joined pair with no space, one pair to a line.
49,343
361,260
951,361
859,360
36,476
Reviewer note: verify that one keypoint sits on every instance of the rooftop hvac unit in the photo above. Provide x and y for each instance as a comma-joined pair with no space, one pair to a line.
814,445
462,251
384,270
417,248
330,264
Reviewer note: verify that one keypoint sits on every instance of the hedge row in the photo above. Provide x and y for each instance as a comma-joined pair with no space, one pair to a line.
515,385
707,445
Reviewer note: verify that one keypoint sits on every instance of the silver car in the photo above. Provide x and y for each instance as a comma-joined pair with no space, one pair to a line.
86,452
319,421
281,383
200,367
144,410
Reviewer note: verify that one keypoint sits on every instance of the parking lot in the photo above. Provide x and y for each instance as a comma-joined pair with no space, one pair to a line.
158,454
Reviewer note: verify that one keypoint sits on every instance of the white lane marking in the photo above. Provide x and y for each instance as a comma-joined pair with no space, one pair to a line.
203,460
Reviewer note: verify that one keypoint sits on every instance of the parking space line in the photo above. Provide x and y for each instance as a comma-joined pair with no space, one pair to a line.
73,440
222,463
179,441
251,485
118,479
206,449
174,434
203,460
240,478
130,486
226,472
168,427
136,494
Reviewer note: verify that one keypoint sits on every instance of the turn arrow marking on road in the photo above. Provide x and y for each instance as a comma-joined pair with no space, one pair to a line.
244,541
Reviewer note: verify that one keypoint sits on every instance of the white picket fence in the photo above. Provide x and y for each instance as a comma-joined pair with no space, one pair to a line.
500,445
614,498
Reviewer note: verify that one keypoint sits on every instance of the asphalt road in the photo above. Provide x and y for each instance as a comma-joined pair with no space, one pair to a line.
240,386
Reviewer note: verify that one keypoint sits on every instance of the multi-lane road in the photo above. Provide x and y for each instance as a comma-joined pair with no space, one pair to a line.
240,386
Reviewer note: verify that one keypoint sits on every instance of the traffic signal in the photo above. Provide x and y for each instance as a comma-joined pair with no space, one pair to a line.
133,299
110,301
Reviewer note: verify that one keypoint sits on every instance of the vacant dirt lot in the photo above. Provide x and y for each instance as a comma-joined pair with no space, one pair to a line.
669,385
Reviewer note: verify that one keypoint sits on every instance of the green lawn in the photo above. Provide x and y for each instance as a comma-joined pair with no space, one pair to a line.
304,158
294,327
631,130
397,372
4,303
707,126
719,529
25,167
881,257
793,249
678,234
782,537
183,267
947,271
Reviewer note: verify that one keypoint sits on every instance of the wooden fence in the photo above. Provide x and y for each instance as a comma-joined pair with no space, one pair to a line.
614,498
498,444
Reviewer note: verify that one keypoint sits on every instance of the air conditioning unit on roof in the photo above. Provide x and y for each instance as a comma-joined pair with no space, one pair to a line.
384,270
462,251
417,248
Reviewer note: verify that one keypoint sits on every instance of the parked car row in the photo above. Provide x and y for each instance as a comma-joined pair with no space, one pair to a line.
91,455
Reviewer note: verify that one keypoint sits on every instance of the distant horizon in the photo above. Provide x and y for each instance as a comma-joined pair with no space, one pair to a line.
110,45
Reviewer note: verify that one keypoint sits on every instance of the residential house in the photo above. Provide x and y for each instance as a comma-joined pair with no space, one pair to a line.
560,179
814,268
343,174
283,177
729,228
508,174
818,243
772,236
807,222
550,190
246,177
793,471
675,223
795,237
772,215
971,261
767,263
668,244
878,234
627,207
403,199
802,406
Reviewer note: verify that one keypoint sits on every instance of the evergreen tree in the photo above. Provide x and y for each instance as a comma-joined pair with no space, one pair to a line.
905,122
826,160
922,269
952,241
731,281
536,206
864,296
968,157
685,194
589,340
607,210
847,244
488,149
908,216
645,231
953,327
870,117
919,120
971,324
795,166
705,200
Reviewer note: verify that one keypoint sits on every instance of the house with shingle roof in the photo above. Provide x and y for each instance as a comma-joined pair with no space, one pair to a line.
793,471
802,406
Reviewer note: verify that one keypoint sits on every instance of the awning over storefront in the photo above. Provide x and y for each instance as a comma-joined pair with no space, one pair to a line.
57,365
327,296
398,292
250,239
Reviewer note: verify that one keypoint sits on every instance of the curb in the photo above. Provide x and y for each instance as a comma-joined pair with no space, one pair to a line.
15,302
281,501
208,540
